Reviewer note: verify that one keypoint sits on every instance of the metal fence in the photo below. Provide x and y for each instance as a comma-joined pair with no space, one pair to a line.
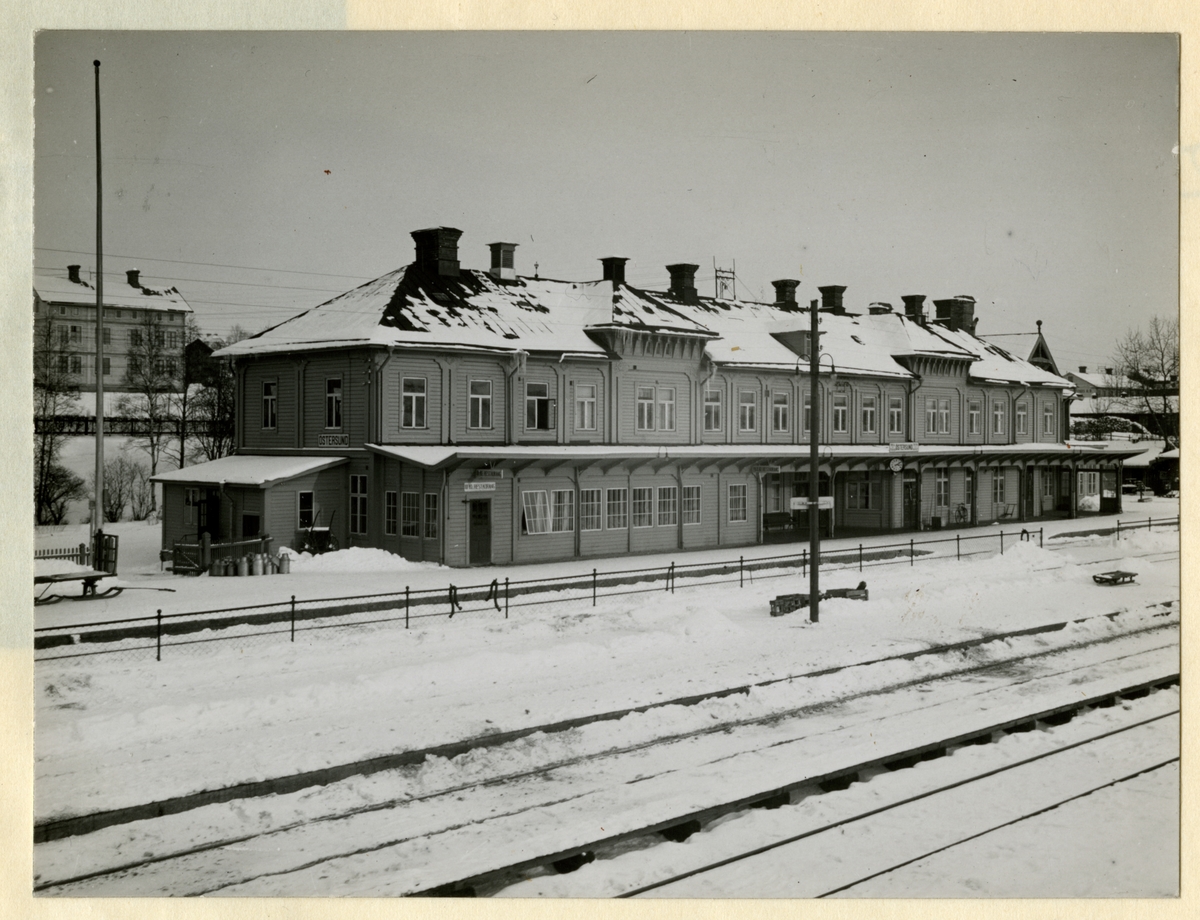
193,631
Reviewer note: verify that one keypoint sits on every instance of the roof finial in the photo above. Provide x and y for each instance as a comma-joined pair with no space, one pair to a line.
535,271
1039,325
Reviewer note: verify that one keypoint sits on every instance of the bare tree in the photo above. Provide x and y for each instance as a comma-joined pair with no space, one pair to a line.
118,476
54,394
1150,362
152,374
189,376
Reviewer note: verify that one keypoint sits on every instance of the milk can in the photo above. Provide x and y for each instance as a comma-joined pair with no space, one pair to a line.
256,564
285,563
243,565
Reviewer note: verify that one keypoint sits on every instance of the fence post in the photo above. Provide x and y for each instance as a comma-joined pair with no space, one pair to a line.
506,597
860,557
741,573
158,638
957,548
83,554
406,606
593,587
293,618
1002,543
1118,529
912,553
1042,537
1149,523
804,564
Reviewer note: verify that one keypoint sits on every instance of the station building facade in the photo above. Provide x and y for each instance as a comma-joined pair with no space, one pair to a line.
476,417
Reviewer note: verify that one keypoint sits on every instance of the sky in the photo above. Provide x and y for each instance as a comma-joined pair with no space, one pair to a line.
263,173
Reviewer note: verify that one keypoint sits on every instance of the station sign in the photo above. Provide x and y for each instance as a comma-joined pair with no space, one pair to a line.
487,474
486,486
333,440
800,503
764,468
904,447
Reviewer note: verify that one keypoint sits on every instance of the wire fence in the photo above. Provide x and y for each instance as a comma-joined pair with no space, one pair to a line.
192,633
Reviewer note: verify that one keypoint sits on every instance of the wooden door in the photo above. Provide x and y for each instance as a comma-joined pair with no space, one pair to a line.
480,532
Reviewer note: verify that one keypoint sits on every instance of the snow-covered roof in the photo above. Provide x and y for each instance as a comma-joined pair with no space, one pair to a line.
57,287
1153,450
248,470
413,307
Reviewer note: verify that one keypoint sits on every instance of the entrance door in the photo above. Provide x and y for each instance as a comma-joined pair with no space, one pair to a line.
911,507
210,514
480,532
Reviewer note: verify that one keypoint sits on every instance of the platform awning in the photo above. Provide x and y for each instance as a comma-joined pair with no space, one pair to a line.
248,470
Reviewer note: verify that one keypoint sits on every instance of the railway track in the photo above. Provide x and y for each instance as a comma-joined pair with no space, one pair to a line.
511,785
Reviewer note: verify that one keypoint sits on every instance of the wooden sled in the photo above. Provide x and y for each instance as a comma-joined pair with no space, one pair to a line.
89,579
1114,578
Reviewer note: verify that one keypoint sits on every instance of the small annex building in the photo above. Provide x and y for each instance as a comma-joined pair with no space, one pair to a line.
471,416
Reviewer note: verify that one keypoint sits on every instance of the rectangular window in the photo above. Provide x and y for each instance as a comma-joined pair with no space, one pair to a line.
973,413
747,410
172,339
76,364
268,404
410,513
563,501
535,508
589,509
858,494
943,416
389,513
304,516
107,366
481,404
1022,417
358,504
807,402
668,506
895,415
998,418
1047,485
133,366
941,488
76,334
868,415
841,412
998,487
737,503
712,410
691,505
107,335
930,415
537,407
779,410
191,501
135,337
643,507
1047,419
585,408
617,510
413,403
665,420
64,364
333,402
431,516
645,409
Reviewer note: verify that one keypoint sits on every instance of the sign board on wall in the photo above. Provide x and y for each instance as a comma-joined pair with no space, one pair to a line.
487,474
904,447
333,440
764,468
800,503
488,486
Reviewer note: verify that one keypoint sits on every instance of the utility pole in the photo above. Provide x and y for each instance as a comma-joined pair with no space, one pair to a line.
98,510
814,501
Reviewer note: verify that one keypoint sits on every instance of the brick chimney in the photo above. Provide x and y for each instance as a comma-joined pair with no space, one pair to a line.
614,269
914,307
683,281
73,273
131,275
785,294
437,250
957,313
879,308
502,261
831,298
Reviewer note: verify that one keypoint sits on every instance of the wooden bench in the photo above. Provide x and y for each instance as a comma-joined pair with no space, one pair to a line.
777,520
89,579
1114,578
1009,511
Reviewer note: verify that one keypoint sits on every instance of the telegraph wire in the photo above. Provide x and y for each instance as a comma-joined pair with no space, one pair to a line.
251,268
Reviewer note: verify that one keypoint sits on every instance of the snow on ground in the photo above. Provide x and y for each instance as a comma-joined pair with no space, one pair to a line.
114,730
356,559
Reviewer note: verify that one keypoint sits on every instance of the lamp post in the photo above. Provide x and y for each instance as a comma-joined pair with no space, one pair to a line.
814,501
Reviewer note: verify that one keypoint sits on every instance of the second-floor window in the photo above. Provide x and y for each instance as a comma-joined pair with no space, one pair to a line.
1022,417
973,413
807,412
943,416
747,410
665,417
868,415
712,410
997,418
779,410
645,408
841,413
135,337
412,409
537,407
895,415
76,364
1047,419
333,402
585,407
481,404
268,404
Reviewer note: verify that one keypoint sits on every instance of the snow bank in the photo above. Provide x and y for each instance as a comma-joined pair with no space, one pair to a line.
354,559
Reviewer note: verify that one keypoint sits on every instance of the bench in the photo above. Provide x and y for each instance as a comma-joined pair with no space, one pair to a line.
1009,511
89,579
1114,578
777,520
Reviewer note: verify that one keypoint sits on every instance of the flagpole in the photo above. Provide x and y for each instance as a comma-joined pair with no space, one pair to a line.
98,511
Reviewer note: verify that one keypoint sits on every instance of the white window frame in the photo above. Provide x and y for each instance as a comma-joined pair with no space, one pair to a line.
712,409
941,487
738,506
616,508
533,403
747,410
590,509
645,408
1022,421
998,417
780,411
666,506
414,403
998,487
641,507
358,504
943,416
270,418
974,412
585,406
858,494
895,415
431,521
841,413
806,412
664,402
191,505
410,514
562,510
333,403
1048,419
868,414
691,505
390,514
479,417
535,511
